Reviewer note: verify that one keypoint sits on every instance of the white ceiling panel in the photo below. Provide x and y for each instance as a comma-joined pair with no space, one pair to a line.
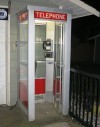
77,7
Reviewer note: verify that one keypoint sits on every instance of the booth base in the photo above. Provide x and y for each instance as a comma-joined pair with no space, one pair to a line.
40,94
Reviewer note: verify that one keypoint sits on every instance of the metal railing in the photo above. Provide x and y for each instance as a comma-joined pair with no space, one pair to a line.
84,98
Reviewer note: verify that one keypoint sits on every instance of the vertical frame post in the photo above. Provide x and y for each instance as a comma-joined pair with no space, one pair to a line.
66,71
8,101
61,65
31,66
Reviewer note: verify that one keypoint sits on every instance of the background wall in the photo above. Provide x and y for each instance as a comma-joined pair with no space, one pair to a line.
83,50
82,53
97,51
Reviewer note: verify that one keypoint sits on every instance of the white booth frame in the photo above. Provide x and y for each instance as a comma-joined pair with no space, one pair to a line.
31,58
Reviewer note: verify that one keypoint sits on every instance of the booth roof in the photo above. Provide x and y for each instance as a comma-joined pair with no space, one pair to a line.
77,7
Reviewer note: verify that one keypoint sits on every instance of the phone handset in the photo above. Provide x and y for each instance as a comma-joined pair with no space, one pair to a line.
44,45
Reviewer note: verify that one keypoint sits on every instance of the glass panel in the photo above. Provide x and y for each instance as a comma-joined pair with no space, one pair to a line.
23,53
23,86
40,70
40,61
39,53
24,31
40,32
59,63
23,66
23,73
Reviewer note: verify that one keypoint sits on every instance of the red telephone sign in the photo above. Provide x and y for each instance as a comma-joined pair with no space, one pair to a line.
50,15
23,16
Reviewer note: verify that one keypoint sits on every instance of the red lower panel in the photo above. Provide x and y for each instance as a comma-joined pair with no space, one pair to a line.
56,86
39,86
23,90
23,94
39,89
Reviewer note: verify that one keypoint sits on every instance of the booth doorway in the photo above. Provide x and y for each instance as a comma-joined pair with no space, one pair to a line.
49,62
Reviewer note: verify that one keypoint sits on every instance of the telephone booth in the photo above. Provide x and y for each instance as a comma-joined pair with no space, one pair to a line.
43,58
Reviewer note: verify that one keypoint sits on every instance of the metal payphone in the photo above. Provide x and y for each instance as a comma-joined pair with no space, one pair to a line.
48,48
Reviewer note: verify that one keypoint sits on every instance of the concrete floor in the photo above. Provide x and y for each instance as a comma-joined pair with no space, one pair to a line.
46,116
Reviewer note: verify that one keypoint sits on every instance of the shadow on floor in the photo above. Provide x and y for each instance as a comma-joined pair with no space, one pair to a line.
46,116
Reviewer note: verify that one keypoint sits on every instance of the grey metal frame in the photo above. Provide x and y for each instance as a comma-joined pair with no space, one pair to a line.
31,66
66,61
